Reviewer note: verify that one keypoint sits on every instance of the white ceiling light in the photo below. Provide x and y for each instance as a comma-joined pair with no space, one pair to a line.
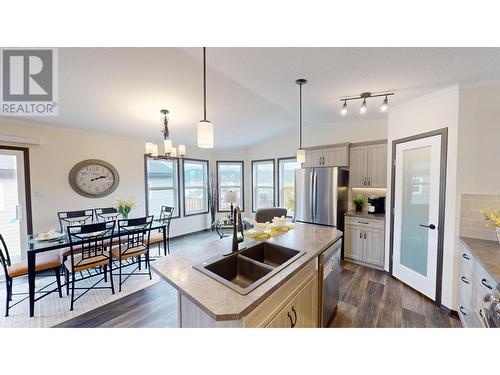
205,128
385,105
363,107
301,153
343,110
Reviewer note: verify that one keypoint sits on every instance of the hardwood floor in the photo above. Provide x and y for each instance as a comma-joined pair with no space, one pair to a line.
371,298
368,298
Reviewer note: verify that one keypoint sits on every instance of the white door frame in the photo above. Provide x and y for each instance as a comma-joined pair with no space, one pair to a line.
442,195
26,186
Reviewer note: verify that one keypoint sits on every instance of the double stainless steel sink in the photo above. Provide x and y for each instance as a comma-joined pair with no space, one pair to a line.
245,270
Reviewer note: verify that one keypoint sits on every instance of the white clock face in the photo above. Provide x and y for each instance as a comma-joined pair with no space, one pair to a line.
94,179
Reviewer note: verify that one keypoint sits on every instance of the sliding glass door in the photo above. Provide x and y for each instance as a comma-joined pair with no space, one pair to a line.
13,218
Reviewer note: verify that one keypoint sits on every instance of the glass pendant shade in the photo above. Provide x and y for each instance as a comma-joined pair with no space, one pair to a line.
168,146
182,150
149,147
155,150
301,155
205,134
174,152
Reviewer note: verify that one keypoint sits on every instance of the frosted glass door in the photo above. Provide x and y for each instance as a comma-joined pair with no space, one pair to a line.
12,202
416,213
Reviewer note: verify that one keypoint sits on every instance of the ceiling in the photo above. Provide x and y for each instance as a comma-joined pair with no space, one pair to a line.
251,91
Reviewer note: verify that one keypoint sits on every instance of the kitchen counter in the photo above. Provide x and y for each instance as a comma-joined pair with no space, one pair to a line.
222,303
487,253
365,215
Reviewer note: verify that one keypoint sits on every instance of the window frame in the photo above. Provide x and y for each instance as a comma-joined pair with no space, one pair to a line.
146,185
184,186
242,187
279,160
261,161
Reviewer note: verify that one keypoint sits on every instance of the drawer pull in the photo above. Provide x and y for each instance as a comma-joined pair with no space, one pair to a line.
363,222
465,256
464,279
462,310
483,281
292,321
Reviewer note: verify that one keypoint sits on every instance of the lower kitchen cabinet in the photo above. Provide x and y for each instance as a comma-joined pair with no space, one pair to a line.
301,311
365,241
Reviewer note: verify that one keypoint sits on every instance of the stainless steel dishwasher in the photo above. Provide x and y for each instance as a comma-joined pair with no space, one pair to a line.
329,281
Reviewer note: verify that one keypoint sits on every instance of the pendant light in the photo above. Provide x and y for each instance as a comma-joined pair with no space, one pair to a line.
301,153
205,128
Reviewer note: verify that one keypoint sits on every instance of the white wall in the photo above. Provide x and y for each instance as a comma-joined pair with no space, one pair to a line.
60,149
432,112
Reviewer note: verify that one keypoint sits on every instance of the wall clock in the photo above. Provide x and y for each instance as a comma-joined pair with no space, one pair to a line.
94,178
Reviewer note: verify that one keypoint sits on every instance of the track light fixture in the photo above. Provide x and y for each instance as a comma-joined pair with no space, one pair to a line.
364,96
343,111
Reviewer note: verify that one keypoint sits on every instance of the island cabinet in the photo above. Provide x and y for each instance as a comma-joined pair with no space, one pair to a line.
365,241
328,156
293,305
368,165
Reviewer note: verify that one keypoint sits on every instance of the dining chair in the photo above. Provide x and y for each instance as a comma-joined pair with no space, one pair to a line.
44,262
166,214
89,249
106,214
134,237
67,218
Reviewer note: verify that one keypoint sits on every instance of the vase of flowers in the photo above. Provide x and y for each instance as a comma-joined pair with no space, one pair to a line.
124,206
493,219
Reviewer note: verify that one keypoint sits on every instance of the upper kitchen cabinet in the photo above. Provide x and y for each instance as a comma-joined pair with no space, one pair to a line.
328,156
368,165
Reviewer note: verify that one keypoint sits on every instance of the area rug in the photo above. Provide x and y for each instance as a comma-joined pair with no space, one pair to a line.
52,310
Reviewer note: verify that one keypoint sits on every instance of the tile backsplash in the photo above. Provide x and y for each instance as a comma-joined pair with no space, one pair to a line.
353,192
472,222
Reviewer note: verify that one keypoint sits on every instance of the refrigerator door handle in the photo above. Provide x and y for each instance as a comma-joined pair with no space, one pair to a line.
314,194
311,195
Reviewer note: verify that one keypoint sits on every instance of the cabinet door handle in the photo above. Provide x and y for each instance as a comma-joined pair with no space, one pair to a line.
483,281
360,234
292,322
481,313
464,279
364,181
365,235
462,310
368,181
465,256
363,222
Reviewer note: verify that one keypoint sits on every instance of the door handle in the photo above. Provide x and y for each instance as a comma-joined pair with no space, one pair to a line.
465,256
430,226
464,279
483,281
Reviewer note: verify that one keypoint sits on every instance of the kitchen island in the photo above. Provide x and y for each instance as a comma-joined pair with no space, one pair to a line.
289,298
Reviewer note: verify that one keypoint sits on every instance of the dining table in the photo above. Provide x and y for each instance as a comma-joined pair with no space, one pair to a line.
37,246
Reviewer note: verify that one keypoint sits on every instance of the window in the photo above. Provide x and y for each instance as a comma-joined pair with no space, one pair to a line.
286,183
162,186
195,186
230,178
262,184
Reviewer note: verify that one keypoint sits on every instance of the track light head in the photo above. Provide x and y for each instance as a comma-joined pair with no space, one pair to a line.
363,107
343,110
385,105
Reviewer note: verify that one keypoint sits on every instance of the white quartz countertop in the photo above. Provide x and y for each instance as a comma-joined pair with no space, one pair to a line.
221,302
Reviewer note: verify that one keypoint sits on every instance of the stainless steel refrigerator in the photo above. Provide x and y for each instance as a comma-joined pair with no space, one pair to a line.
321,195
